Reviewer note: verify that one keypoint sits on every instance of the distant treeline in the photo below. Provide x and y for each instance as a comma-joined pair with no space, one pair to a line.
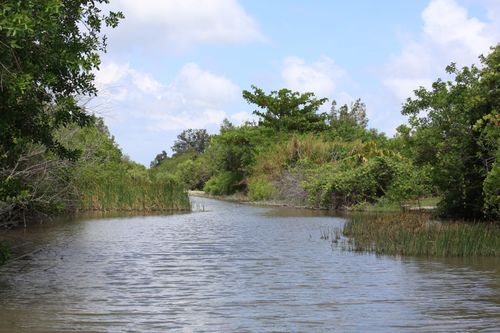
447,153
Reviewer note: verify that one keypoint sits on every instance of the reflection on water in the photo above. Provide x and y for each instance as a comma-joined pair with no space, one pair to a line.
234,268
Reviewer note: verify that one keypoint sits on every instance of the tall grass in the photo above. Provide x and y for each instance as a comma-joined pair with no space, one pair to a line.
309,148
134,194
417,235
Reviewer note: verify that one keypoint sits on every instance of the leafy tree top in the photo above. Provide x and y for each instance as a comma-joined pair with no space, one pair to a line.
352,116
191,140
285,110
48,51
158,159
454,129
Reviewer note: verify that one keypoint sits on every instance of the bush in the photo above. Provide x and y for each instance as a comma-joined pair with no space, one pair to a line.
193,173
342,185
260,189
222,184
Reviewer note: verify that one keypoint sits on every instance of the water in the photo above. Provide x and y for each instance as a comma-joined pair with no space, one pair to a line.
234,268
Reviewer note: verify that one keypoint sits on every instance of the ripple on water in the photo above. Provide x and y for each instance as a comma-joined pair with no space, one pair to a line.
234,268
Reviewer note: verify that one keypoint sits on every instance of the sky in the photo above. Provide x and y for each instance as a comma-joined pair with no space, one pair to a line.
172,65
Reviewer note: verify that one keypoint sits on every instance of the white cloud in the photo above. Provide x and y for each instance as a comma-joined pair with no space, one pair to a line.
409,70
203,88
183,23
319,77
195,98
448,35
111,74
447,23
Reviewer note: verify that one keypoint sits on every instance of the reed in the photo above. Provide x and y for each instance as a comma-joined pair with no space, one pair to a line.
417,235
132,194
331,233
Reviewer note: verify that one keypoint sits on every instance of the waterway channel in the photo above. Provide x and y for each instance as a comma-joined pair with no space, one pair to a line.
229,267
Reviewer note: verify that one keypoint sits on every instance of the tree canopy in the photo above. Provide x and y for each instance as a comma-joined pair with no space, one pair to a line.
350,116
48,51
454,129
195,140
287,110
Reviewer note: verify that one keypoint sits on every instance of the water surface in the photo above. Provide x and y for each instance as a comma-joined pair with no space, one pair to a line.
234,268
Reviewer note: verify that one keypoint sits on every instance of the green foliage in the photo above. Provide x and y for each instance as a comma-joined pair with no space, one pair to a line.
38,183
158,159
410,183
458,135
193,173
352,117
191,140
416,235
101,179
188,165
49,52
223,183
342,187
110,188
348,123
260,189
491,191
48,55
235,149
288,111
104,179
171,164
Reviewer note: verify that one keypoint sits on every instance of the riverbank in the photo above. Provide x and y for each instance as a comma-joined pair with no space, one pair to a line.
427,205
242,198
408,230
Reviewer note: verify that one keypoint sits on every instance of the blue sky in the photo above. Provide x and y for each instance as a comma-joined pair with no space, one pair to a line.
173,65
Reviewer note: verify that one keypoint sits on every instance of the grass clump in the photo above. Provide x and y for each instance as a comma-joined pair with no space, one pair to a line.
417,235
123,192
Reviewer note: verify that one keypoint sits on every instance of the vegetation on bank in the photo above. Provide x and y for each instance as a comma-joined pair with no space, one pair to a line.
55,155
42,184
298,155
418,235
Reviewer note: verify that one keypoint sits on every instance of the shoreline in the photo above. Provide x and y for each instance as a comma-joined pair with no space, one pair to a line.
241,198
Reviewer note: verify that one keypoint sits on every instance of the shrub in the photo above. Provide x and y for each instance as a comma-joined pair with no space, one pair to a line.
260,189
224,183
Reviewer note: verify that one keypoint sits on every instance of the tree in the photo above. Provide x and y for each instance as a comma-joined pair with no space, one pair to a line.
226,126
454,130
158,159
349,122
48,52
191,140
288,111
352,116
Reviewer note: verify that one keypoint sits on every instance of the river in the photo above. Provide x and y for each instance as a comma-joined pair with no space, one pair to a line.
234,268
